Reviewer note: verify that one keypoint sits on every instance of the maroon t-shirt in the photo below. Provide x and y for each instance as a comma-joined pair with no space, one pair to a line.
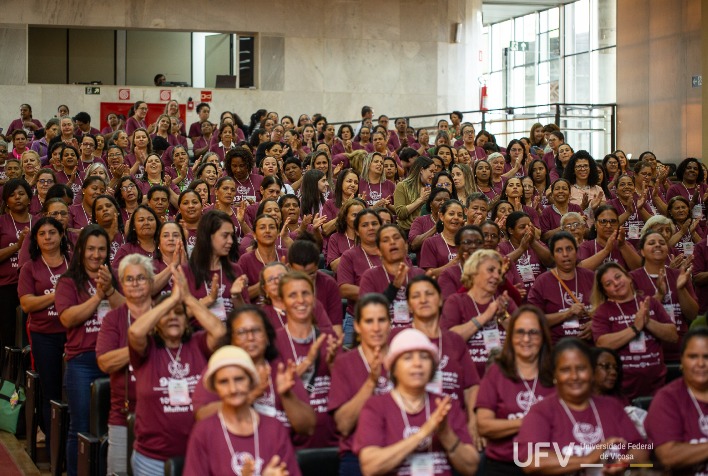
450,281
162,426
24,256
375,192
113,336
116,243
330,209
644,372
421,224
337,244
317,384
9,229
673,417
268,404
200,290
208,454
700,265
510,400
456,370
460,309
550,218
349,374
436,252
527,268
592,247
352,266
327,293
646,283
376,280
78,218
634,223
278,318
248,189
548,295
81,338
382,423
548,422
252,266
687,193
128,249
37,279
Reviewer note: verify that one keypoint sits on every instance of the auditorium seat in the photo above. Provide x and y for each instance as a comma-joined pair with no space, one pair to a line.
93,446
33,412
318,461
174,466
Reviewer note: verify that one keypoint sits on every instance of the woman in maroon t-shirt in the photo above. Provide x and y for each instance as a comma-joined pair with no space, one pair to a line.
478,315
49,253
190,211
436,254
167,365
238,164
411,429
520,378
687,232
107,215
677,423
360,374
84,295
266,236
582,427
633,325
345,237
468,239
225,191
610,244
142,235
670,286
171,249
237,439
136,277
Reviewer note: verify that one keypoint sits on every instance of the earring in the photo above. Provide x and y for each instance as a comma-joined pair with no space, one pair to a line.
555,381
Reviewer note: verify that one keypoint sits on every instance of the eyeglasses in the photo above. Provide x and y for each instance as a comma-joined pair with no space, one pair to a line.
607,366
444,184
468,133
572,226
58,214
254,331
582,167
494,236
273,279
608,221
87,145
128,187
115,156
45,181
471,242
531,333
140,279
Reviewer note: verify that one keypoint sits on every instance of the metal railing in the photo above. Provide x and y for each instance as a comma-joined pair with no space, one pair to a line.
592,127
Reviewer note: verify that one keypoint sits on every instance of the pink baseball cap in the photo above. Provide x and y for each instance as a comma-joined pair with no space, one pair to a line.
409,340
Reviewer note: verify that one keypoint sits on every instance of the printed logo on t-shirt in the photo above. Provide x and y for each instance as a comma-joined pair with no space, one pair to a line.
239,459
587,434
412,430
525,400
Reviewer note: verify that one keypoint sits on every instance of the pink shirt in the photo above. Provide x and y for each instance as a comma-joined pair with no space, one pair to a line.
208,454
551,297
382,423
113,336
510,400
80,338
644,372
37,279
349,374
460,309
673,417
548,422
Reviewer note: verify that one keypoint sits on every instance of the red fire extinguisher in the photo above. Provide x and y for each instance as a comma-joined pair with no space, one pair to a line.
190,104
483,98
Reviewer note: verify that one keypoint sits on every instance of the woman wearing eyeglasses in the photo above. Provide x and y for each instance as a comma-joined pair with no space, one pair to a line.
468,239
45,179
582,174
128,196
519,378
610,244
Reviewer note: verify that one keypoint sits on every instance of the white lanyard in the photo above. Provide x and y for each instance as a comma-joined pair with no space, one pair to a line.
88,220
17,232
449,251
363,359
531,390
92,290
367,257
249,181
279,313
622,312
702,418
690,195
292,345
526,253
399,402
576,426
380,189
235,466
53,277
175,367
651,280
207,285
388,278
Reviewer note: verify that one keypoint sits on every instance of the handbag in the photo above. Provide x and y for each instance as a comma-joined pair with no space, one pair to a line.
12,399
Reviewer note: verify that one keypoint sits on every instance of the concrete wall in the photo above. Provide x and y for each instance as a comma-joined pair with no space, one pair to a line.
313,56
658,50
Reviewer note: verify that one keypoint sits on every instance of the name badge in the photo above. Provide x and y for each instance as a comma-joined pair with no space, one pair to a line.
219,309
492,339
697,211
178,391
669,308
422,464
401,315
688,248
526,272
638,345
104,307
435,385
266,410
634,233
572,323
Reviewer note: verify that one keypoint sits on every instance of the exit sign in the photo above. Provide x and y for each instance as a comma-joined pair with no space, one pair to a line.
519,45
93,90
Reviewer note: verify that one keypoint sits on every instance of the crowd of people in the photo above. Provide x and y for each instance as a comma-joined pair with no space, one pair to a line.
428,301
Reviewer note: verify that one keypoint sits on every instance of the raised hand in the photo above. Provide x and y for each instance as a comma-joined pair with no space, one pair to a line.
401,274
334,343
585,202
275,467
661,282
285,377
597,200
438,419
684,277
239,285
642,316
375,366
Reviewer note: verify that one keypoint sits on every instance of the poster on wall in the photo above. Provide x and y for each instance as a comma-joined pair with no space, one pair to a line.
154,111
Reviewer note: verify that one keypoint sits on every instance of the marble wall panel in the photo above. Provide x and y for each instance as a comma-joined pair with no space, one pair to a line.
13,54
272,62
304,64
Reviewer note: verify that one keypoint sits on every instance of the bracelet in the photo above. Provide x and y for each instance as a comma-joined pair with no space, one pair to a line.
476,323
454,447
636,331
109,295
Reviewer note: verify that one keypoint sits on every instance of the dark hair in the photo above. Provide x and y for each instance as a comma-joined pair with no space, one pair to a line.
344,211
12,185
507,155
188,331
158,188
119,197
573,343
507,358
303,252
160,226
682,168
421,278
386,226
311,197
561,235
76,271
569,172
34,250
439,226
407,153
238,152
200,260
463,229
433,193
513,218
476,196
504,196
596,352
545,166
364,212
695,332
496,207
367,300
271,351
119,216
338,187
91,179
132,235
